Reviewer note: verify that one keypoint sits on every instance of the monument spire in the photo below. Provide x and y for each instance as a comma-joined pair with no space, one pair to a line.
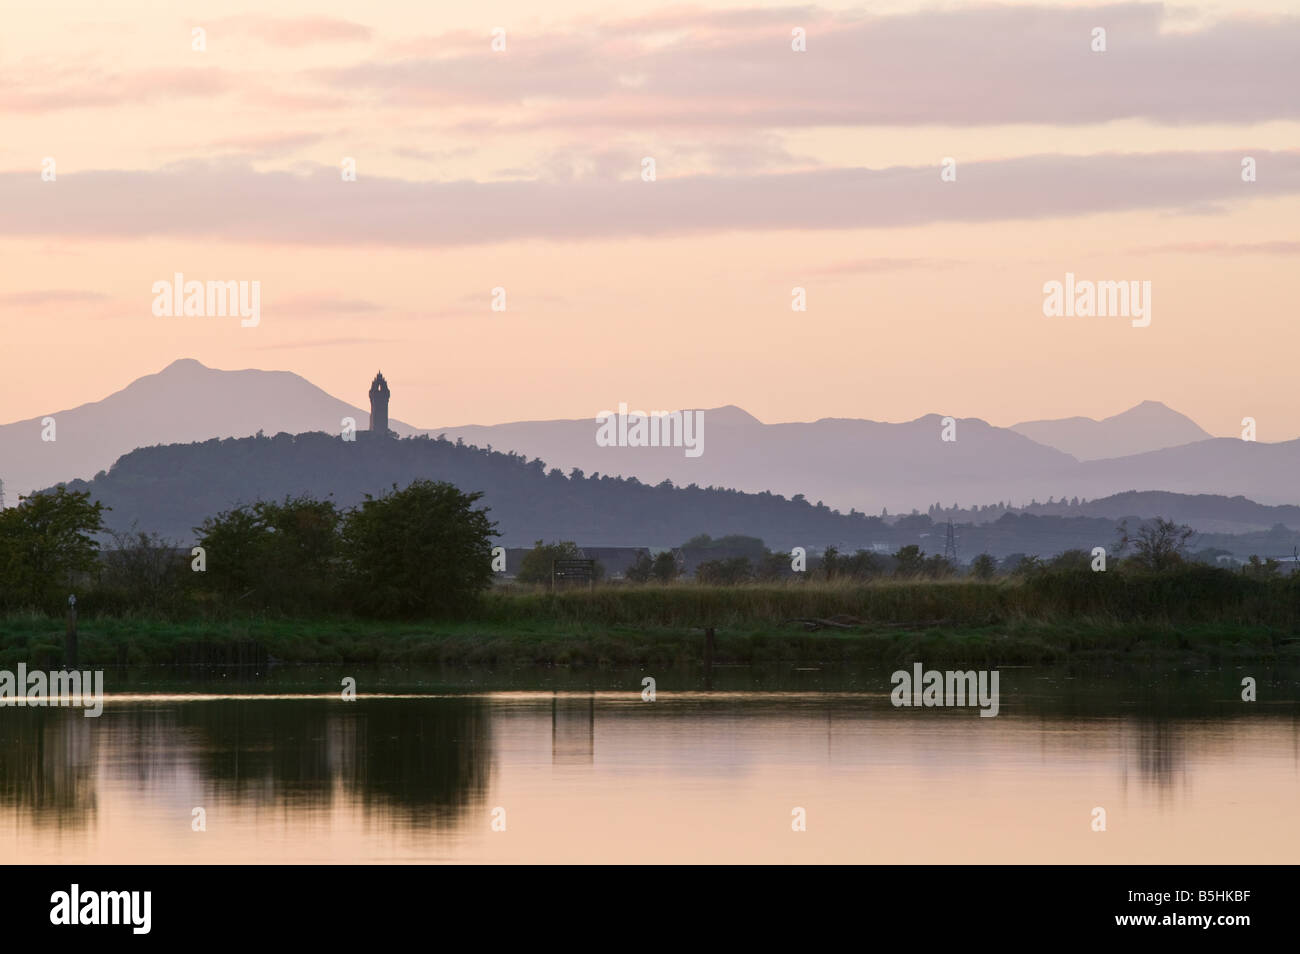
379,395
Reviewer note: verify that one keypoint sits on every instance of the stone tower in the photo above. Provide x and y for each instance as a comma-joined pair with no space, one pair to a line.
379,406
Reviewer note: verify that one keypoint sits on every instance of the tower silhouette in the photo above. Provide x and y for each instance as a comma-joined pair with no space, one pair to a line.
950,544
379,405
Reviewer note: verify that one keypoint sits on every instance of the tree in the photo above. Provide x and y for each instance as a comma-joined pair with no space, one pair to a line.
1026,566
422,551
1261,570
1159,544
862,565
536,564
661,569
234,540
752,547
727,572
938,567
909,560
144,569
285,554
641,568
1072,560
1010,561
44,541
772,567
983,567
831,562
665,568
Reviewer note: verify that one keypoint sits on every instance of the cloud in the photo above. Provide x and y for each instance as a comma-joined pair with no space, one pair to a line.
961,67
295,31
55,296
96,89
1281,247
735,70
322,343
872,266
230,201
262,146
324,305
433,155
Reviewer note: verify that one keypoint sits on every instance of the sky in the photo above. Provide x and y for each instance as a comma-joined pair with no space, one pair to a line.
523,169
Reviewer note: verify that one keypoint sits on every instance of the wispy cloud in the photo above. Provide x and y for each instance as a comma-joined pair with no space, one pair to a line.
962,67
1281,247
734,69
262,146
295,31
871,266
78,89
318,305
55,296
303,343
231,201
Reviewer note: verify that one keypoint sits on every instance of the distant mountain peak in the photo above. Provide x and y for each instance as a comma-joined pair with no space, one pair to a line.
185,364
1148,407
186,401
732,414
1148,426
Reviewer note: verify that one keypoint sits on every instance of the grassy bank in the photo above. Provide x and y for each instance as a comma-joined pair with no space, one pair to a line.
1173,618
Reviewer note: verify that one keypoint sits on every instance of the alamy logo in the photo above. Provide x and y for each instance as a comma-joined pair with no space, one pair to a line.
934,688
38,689
103,907
194,299
1086,299
656,429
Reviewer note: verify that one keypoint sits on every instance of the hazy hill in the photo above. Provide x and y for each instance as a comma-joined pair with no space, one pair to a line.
847,463
1265,473
171,489
1148,426
186,401
1209,513
868,465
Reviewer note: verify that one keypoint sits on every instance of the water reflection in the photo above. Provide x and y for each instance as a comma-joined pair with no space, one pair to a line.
421,763
573,729
47,765
692,776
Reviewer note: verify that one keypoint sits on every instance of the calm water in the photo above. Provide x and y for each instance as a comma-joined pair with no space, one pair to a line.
586,771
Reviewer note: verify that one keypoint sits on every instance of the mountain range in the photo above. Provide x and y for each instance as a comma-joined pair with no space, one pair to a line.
184,402
171,489
1148,426
846,463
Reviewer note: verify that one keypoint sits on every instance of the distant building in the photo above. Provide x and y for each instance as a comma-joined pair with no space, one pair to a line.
379,395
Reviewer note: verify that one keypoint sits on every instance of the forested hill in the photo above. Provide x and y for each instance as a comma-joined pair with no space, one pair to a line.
172,488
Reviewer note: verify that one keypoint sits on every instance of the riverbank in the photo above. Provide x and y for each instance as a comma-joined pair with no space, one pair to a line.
1188,616
38,641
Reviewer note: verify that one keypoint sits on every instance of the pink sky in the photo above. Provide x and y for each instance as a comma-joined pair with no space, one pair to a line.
522,169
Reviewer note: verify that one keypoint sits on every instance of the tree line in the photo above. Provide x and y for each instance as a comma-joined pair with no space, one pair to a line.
424,550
